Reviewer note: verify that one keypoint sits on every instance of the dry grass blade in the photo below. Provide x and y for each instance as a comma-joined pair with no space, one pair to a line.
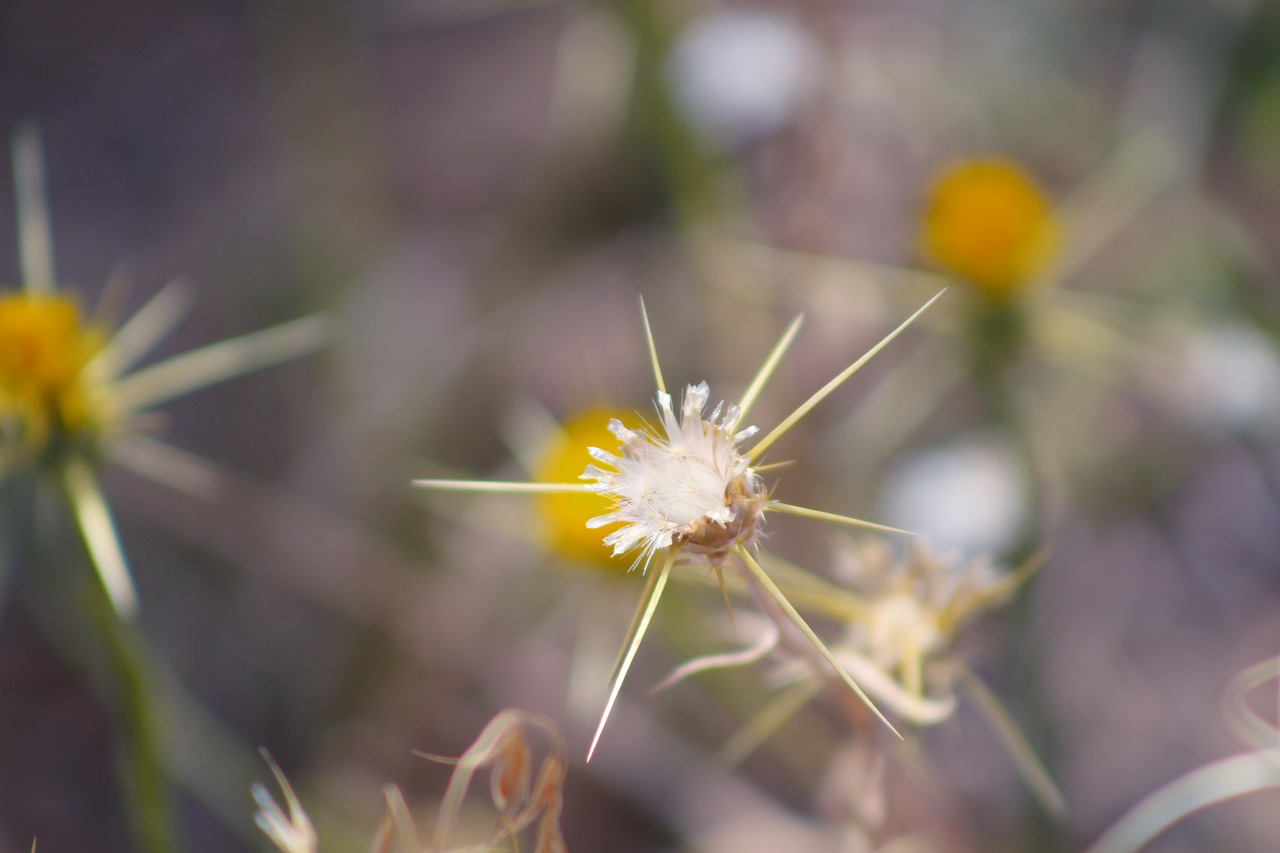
1222,780
767,642
1247,723
503,746
396,832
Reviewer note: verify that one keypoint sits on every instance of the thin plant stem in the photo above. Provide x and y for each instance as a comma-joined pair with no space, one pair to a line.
689,172
135,688
1025,760
111,604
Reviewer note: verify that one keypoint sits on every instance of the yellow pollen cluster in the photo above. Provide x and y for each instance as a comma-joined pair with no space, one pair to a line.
564,515
44,348
988,222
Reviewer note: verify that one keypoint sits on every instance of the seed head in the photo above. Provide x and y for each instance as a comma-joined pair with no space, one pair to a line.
689,488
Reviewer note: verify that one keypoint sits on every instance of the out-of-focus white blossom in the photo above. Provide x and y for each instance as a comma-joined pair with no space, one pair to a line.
967,496
738,76
1229,379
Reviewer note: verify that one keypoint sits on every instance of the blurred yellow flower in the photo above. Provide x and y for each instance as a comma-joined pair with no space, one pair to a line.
988,222
45,348
72,396
564,515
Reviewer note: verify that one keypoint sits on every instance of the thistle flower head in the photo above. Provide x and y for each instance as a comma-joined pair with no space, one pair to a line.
688,487
988,222
70,396
685,492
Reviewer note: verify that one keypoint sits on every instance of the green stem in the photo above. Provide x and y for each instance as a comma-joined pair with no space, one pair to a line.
688,170
134,685
998,345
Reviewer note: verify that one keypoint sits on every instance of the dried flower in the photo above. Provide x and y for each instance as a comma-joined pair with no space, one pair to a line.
291,834
902,616
525,799
522,797
691,489
915,606
690,495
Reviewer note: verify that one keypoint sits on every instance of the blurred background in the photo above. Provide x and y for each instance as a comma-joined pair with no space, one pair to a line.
477,191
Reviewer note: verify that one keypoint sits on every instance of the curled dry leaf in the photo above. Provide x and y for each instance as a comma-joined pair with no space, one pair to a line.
521,798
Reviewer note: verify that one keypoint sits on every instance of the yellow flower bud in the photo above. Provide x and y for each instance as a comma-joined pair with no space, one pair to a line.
44,347
989,223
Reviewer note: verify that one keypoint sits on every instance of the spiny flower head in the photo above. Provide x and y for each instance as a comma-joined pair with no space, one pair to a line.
989,223
690,488
688,494
46,389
